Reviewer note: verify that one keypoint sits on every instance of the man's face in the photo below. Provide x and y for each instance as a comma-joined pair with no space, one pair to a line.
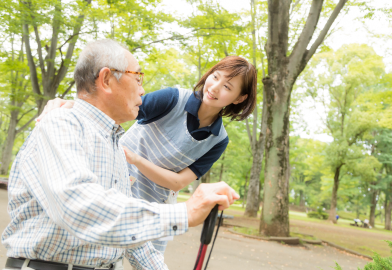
126,95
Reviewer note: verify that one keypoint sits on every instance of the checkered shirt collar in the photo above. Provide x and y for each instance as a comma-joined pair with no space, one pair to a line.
106,124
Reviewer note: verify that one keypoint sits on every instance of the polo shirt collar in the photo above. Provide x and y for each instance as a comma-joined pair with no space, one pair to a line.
104,123
192,106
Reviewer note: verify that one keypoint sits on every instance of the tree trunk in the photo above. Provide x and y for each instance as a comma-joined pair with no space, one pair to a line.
372,215
283,70
332,212
253,196
253,201
245,190
258,146
301,198
9,143
275,212
357,211
207,177
222,166
388,210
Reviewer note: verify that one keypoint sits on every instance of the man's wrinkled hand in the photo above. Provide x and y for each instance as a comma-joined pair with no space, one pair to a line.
54,104
205,198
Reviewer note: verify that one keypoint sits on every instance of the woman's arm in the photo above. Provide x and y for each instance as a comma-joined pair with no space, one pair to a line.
163,177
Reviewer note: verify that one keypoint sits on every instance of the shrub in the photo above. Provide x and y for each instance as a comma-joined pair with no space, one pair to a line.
319,214
378,263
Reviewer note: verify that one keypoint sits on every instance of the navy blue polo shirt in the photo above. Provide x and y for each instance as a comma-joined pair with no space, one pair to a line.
159,103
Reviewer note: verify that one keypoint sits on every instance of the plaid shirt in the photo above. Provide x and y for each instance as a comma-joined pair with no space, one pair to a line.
70,196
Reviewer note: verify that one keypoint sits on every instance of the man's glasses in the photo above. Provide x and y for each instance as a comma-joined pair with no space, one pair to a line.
139,80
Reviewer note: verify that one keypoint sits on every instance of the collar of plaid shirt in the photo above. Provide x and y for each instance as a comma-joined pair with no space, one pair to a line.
105,124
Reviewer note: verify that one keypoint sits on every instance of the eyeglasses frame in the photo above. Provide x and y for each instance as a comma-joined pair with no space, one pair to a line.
140,82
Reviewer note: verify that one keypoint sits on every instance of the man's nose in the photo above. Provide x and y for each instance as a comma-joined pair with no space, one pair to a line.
141,91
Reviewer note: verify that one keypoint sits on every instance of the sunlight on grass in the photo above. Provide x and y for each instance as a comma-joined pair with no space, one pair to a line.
247,231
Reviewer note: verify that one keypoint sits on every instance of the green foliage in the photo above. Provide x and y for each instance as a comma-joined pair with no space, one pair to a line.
307,160
320,214
378,262
338,267
342,78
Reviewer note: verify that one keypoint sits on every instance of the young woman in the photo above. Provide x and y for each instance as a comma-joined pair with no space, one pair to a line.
180,134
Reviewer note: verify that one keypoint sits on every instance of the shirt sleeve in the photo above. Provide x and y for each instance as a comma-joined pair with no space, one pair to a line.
203,164
146,257
72,197
156,105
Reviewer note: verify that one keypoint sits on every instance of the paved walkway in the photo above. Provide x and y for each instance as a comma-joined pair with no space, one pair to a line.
234,252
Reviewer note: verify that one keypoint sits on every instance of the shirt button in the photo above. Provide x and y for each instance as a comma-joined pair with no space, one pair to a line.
115,181
133,238
175,228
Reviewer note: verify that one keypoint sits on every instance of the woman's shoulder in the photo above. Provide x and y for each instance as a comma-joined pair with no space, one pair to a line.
184,93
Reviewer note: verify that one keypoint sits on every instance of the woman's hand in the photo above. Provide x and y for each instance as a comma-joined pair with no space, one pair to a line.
54,104
132,158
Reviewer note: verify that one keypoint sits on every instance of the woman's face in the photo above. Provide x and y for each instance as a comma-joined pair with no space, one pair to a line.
220,91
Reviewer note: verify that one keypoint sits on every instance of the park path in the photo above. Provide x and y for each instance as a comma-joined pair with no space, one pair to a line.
234,252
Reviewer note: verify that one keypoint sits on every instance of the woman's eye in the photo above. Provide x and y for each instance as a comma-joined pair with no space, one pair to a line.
214,76
226,87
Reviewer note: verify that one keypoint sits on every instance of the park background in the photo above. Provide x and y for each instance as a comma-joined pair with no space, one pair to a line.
318,143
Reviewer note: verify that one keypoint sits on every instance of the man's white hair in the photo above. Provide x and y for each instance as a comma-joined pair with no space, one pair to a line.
97,55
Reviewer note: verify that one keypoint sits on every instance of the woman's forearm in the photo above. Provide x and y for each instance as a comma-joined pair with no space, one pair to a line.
163,177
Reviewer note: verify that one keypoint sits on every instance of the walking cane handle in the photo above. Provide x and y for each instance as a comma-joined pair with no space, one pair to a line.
209,226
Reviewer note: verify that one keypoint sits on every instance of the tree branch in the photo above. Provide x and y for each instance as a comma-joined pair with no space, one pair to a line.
151,77
178,37
25,114
356,137
30,61
26,125
71,47
52,49
68,89
39,49
300,46
72,36
325,30
293,6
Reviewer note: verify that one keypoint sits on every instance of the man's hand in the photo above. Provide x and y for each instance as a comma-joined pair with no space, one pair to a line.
205,198
54,104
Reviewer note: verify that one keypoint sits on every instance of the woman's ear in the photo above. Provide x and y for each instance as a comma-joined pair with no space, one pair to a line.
240,99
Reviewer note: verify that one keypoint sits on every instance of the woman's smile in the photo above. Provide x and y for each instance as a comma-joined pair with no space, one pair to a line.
211,96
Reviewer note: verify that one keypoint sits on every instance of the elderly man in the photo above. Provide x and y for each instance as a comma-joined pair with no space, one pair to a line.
70,199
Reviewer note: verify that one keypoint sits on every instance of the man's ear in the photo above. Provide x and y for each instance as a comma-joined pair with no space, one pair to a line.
240,99
103,80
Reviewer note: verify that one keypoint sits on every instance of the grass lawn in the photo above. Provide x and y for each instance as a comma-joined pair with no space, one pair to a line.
362,240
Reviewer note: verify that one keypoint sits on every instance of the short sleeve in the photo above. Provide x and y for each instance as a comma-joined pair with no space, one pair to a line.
203,164
156,105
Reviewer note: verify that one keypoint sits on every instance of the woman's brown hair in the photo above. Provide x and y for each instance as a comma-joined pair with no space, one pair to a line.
237,66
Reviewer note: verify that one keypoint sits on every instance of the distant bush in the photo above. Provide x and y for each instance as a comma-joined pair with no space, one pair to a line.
378,263
319,214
